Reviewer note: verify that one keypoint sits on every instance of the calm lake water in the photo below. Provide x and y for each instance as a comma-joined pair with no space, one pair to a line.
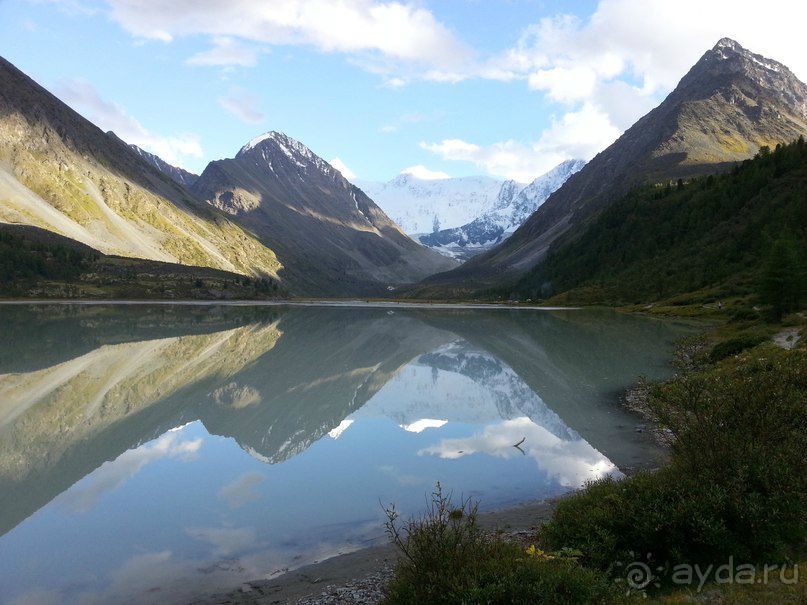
155,453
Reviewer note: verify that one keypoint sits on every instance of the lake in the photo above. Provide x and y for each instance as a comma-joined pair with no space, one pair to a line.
153,453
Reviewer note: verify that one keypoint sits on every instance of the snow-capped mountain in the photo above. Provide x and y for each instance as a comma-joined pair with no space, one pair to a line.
513,205
426,205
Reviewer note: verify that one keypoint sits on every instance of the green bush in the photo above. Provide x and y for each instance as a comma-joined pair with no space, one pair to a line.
668,515
448,559
733,346
744,314
735,485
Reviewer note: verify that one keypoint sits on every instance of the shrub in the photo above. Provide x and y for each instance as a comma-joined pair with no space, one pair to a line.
735,484
744,314
667,515
742,426
448,559
733,346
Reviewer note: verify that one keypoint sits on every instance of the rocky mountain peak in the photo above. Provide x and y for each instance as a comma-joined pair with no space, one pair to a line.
728,43
729,64
279,141
275,149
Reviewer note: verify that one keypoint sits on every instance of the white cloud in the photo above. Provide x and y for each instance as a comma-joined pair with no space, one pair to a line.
243,105
226,51
652,42
398,31
421,172
576,135
571,462
395,82
84,98
341,167
615,66
564,84
607,69
242,490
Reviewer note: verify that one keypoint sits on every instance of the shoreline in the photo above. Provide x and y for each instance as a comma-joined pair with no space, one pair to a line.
281,303
360,576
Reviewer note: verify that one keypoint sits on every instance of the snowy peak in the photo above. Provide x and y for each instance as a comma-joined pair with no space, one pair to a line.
426,205
514,204
272,136
729,67
730,56
508,192
534,194
728,43
276,148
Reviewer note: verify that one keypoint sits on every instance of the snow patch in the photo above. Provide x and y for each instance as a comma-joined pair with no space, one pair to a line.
418,426
336,432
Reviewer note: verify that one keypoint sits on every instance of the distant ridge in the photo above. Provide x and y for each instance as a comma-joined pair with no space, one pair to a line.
180,175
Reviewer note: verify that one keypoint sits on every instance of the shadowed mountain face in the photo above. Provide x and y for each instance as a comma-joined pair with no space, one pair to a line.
730,104
61,173
330,237
277,380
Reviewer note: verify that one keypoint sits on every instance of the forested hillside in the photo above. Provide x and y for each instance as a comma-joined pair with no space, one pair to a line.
37,263
719,233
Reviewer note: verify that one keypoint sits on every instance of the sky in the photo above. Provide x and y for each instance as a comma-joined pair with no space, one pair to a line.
507,88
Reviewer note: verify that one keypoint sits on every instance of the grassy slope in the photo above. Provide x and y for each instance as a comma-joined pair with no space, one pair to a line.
60,172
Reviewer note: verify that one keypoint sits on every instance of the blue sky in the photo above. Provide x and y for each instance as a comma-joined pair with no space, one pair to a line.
507,88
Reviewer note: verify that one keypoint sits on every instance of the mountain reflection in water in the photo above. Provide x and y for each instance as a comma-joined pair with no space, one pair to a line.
154,453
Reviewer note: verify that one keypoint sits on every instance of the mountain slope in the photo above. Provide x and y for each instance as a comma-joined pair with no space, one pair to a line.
712,233
331,238
61,173
724,109
180,175
513,206
419,205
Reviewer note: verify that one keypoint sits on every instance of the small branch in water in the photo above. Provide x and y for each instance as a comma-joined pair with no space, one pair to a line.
515,445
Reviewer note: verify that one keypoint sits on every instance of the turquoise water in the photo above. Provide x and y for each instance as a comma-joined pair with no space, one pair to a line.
158,453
